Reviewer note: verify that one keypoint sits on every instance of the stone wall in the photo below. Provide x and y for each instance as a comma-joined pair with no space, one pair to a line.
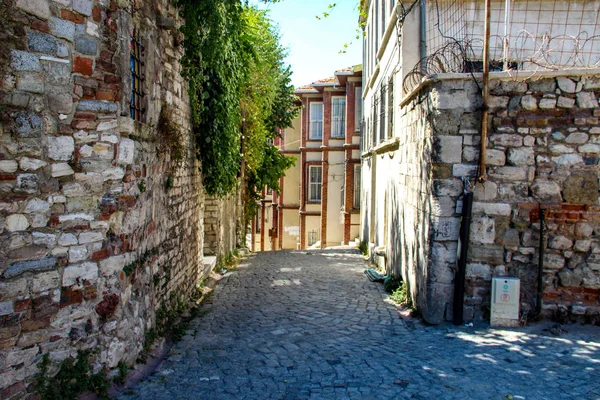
542,153
222,222
98,226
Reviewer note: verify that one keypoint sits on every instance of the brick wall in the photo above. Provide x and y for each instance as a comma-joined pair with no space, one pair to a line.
542,153
84,189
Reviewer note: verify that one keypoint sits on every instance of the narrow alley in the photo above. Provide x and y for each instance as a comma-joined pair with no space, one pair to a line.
309,325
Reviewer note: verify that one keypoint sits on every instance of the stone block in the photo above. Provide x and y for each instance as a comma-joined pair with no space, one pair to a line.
529,103
506,140
495,157
492,208
77,274
126,125
37,206
498,102
62,28
112,265
509,173
475,270
67,239
6,308
553,261
492,254
103,150
57,73
107,125
561,149
589,148
460,170
32,83
75,217
483,230
61,169
41,43
85,137
446,228
116,173
546,191
97,106
521,156
581,188
568,160
78,253
44,281
570,278
8,166
16,223
60,102
90,237
83,7
547,103
583,230
28,125
485,191
567,85
447,187
565,102
24,61
447,149
86,45
587,100
60,148
444,252
39,8
577,138
45,264
560,242
547,85
582,245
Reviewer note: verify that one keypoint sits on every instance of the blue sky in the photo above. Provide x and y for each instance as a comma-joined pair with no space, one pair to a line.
313,45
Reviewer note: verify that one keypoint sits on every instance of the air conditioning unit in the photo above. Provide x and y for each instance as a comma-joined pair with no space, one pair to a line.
505,302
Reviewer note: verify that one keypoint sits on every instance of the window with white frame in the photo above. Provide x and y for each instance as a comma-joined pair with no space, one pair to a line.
315,183
316,121
338,117
357,108
356,194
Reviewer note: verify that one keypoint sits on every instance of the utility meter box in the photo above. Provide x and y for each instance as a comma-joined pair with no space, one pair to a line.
505,302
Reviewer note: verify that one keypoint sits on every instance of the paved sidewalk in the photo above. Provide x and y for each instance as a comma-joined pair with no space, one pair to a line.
309,325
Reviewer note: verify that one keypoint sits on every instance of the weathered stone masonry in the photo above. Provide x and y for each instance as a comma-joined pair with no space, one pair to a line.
543,152
84,189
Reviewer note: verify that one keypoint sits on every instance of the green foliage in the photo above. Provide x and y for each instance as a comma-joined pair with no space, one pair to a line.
123,370
363,247
237,82
400,295
74,377
130,268
142,185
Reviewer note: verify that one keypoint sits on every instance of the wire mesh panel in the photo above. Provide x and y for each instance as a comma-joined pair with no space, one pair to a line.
524,35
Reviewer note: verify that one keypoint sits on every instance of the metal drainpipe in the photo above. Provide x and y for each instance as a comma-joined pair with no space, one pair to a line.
423,30
485,95
459,279
540,283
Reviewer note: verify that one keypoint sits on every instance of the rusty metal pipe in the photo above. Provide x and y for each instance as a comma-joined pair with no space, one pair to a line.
485,94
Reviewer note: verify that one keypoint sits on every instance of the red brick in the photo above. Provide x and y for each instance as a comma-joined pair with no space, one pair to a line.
8,177
105,95
68,297
35,324
106,55
88,94
83,124
97,13
77,90
22,305
83,65
12,390
100,255
112,79
85,115
106,66
71,16
41,26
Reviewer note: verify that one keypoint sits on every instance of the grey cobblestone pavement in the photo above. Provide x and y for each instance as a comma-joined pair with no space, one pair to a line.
309,325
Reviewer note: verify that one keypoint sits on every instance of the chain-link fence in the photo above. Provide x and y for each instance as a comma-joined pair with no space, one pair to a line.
524,35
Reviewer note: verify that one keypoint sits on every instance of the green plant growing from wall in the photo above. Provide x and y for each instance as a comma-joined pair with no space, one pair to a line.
238,85
74,377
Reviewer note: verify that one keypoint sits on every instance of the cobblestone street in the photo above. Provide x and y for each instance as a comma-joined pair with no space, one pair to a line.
309,325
